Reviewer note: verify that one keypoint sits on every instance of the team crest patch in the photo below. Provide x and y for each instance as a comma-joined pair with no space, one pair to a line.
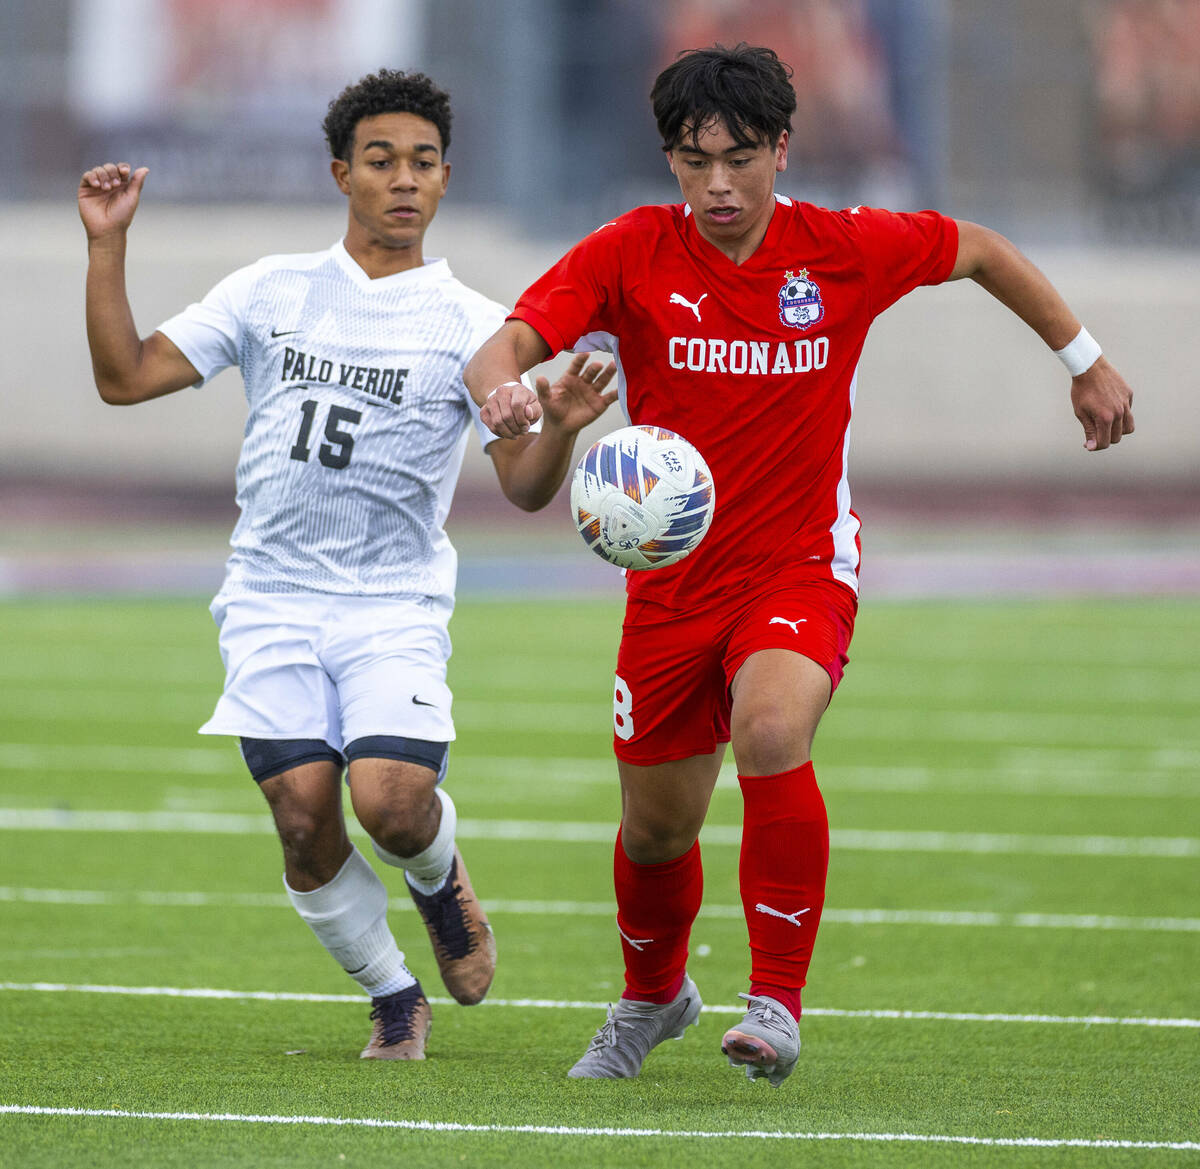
800,303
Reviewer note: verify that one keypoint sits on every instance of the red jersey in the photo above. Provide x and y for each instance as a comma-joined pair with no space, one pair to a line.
755,364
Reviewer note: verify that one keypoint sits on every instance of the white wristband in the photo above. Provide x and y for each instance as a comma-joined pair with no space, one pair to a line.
519,385
1080,355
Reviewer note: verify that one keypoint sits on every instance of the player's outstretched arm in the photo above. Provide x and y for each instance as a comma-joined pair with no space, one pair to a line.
532,467
1102,400
127,369
507,407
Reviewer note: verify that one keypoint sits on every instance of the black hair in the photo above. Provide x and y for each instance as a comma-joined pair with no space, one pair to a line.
749,89
387,92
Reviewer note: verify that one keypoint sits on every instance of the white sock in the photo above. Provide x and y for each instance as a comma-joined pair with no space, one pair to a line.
349,917
427,871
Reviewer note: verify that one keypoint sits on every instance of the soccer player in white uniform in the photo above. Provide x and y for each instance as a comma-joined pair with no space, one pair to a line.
334,610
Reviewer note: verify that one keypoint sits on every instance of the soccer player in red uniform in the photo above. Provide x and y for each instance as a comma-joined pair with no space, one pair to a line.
737,319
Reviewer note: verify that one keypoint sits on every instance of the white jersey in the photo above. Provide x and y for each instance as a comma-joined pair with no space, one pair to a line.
358,420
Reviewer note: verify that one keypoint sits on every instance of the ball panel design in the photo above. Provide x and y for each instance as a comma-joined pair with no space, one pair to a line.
642,497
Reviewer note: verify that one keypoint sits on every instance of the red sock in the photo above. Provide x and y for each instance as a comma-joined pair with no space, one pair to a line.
785,855
656,905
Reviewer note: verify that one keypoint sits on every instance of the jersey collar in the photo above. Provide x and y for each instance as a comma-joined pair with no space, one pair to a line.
432,270
774,228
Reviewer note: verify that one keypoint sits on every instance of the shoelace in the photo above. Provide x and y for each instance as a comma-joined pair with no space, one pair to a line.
444,911
607,1035
760,1008
396,1012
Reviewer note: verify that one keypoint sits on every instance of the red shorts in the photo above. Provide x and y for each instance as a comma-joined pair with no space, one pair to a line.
674,668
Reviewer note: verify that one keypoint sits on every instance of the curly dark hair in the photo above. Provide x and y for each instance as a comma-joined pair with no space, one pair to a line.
387,92
748,89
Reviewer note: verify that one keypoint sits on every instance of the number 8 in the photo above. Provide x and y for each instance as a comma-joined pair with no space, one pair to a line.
622,710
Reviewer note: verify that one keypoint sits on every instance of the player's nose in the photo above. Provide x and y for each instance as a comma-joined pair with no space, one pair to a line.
719,181
403,179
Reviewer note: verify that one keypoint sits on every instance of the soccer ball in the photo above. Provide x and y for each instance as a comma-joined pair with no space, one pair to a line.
642,497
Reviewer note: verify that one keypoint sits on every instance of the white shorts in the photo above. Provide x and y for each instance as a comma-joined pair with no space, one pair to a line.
309,666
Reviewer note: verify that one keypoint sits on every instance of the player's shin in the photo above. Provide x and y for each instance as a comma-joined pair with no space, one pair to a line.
458,927
782,869
349,917
656,906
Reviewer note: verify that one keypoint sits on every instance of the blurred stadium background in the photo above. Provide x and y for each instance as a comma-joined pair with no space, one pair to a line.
1072,127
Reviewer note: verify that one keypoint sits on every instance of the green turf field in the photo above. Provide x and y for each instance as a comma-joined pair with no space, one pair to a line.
1006,975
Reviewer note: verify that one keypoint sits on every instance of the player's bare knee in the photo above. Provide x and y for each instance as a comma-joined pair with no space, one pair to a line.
401,818
401,832
311,843
768,741
393,786
654,840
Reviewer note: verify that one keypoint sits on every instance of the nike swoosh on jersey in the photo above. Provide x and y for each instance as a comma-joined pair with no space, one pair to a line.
285,333
418,702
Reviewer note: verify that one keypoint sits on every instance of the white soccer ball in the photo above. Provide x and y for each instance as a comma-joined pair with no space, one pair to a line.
642,497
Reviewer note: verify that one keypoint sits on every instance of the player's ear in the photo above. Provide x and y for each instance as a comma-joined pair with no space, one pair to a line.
781,153
445,176
340,169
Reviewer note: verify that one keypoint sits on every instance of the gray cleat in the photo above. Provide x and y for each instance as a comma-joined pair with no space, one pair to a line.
632,1028
766,1042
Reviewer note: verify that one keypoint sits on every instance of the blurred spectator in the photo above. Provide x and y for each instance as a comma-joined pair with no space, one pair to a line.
1147,89
844,132
233,59
220,97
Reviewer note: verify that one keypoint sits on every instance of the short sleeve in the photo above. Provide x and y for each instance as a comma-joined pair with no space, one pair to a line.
573,297
902,250
210,333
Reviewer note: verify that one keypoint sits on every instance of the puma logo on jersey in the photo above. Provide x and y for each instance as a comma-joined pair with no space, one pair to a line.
678,298
636,943
794,625
792,917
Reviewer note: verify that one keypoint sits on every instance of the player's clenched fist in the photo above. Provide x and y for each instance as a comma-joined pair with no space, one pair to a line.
108,197
510,409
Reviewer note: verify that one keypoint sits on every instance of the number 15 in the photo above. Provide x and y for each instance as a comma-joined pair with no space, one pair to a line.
335,453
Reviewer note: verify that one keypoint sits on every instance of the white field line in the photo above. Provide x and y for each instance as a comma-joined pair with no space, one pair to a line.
898,917
141,666
50,756
1030,772
188,992
581,832
1078,656
1136,781
81,955
1157,773
854,722
869,721
562,1130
